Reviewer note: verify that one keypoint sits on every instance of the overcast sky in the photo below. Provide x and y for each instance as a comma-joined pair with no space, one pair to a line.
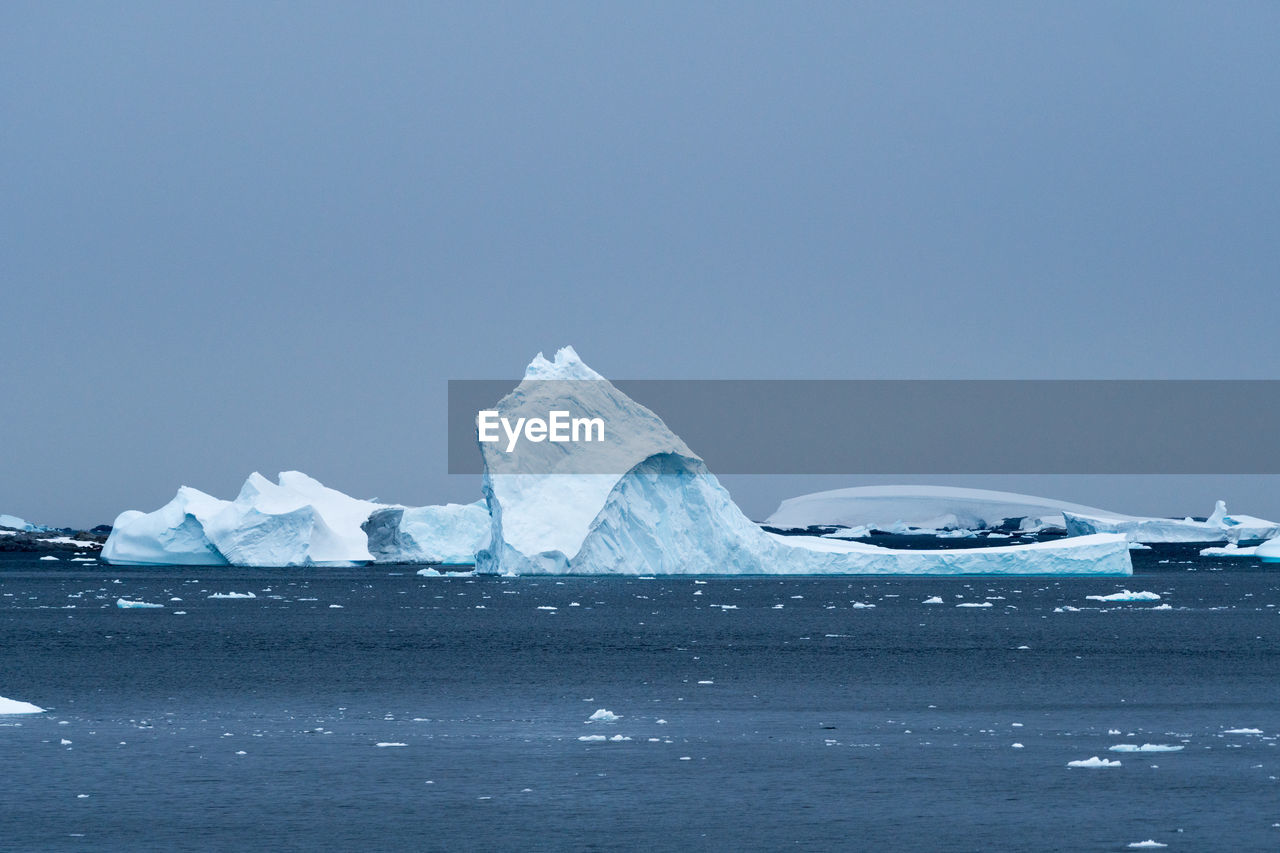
262,236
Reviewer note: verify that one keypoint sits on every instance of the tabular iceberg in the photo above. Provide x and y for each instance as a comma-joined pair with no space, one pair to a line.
294,522
667,514
1219,527
893,508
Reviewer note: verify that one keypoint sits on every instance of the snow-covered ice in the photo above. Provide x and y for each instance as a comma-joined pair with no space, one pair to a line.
232,595
1149,844
1218,527
1125,595
13,706
1146,747
296,521
126,604
450,534
668,514
1095,761
922,507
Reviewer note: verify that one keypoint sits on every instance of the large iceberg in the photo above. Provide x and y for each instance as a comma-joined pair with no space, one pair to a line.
891,508
665,513
1218,527
296,521
173,535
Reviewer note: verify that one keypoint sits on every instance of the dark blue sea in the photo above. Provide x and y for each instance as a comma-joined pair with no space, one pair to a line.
372,709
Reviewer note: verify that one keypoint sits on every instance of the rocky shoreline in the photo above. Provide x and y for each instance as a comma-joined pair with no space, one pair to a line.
62,540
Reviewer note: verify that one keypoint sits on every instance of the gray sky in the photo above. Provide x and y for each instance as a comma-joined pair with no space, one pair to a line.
263,236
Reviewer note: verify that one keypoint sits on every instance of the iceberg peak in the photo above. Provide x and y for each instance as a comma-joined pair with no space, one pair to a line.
567,364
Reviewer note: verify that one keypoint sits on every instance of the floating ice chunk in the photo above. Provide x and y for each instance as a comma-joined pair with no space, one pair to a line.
975,604
593,738
934,600
49,558
1125,595
1095,761
861,605
233,595
1138,546
1242,731
1230,550
1146,747
126,604
13,706
1149,844
386,743
604,715
619,738
1016,746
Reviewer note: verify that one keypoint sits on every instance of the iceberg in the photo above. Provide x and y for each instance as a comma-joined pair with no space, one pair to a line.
1126,595
1218,527
296,521
451,534
126,604
13,706
173,535
12,521
1269,551
900,508
666,513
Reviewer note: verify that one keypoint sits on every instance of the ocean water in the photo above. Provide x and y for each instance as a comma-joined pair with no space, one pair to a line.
762,713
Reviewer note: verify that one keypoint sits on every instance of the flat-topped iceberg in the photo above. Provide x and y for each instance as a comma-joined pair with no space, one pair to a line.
663,512
1218,527
898,508
296,521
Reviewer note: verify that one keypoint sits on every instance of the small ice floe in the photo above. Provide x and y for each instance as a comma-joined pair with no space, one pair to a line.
1066,608
934,600
1016,746
546,607
1231,549
383,744
619,738
84,559
1146,747
707,681
232,595
1242,731
1125,595
975,604
1138,546
860,605
13,706
335,607
1149,844
592,738
1095,761
1165,606
49,558
604,715
126,604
